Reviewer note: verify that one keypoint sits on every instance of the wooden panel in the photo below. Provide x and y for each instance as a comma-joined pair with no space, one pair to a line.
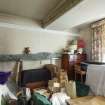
69,60
35,85
65,62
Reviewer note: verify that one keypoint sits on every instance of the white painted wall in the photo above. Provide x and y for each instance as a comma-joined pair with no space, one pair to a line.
13,41
17,33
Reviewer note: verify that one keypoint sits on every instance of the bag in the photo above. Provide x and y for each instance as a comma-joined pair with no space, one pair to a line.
71,89
82,89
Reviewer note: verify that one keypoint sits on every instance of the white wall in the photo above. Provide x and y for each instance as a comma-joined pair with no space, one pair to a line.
17,33
13,41
85,33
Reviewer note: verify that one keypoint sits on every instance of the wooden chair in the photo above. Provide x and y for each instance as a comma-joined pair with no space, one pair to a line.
79,71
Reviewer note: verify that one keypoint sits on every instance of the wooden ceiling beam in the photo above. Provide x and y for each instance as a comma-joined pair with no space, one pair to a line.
62,7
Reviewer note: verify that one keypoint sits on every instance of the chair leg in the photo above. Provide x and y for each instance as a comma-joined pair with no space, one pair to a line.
75,76
81,78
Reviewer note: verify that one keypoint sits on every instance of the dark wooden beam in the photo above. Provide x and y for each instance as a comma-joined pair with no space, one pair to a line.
62,7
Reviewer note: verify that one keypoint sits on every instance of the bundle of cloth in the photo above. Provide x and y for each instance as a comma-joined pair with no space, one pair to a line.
8,88
59,99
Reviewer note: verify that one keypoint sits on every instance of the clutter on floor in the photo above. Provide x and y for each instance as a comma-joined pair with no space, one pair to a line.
60,90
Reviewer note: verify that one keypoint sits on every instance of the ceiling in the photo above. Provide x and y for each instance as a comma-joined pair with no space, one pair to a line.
57,14
81,15
44,11
35,9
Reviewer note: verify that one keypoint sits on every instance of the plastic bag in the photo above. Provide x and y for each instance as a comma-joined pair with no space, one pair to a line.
71,89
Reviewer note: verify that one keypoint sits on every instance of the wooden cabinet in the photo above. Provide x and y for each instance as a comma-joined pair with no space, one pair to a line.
65,62
69,60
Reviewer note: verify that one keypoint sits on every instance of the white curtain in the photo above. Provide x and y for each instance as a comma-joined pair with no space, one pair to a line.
95,78
98,41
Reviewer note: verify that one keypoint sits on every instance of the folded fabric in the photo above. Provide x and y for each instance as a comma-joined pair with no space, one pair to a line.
40,99
59,99
4,77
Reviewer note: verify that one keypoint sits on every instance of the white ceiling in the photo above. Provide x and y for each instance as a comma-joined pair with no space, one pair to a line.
85,12
82,14
35,9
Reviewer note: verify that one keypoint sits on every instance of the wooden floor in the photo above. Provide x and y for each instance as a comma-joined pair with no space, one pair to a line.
88,100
